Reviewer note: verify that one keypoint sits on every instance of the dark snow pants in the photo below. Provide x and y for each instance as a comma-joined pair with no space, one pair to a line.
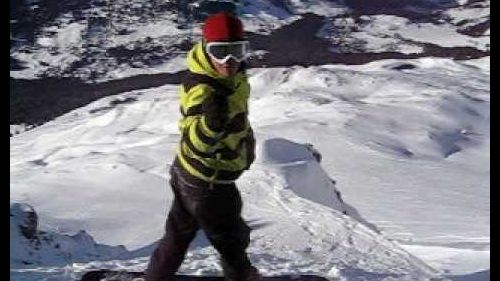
217,211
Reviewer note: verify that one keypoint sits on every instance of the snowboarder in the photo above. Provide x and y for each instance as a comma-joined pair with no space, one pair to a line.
217,145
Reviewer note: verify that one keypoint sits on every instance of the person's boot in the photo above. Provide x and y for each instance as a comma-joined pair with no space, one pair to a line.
253,275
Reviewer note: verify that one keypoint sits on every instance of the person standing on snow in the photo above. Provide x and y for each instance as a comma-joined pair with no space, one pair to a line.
217,145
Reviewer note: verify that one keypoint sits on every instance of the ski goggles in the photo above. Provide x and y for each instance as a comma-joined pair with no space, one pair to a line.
221,52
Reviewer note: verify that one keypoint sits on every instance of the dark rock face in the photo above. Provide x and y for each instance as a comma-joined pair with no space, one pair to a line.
398,7
38,101
26,218
316,154
210,7
16,64
476,30
404,66
27,17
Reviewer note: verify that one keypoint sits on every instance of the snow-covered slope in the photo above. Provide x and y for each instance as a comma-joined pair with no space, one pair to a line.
406,141
410,140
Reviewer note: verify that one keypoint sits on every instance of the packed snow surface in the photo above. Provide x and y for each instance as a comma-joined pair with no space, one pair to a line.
406,141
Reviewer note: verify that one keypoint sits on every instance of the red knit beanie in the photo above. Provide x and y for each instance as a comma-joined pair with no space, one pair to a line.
222,27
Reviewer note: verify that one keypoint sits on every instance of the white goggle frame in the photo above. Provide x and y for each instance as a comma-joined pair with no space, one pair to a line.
245,46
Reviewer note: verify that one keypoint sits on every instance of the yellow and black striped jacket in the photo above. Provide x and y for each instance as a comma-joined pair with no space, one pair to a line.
214,157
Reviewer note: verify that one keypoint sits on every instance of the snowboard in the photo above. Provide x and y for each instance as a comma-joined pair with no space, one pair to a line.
109,275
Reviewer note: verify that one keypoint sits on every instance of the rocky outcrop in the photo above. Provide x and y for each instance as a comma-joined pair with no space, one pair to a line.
31,246
26,218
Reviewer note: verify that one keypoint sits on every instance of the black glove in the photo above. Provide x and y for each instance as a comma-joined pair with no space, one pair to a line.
215,109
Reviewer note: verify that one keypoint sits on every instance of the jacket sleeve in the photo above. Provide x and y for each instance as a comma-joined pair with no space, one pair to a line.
215,111
250,148
204,130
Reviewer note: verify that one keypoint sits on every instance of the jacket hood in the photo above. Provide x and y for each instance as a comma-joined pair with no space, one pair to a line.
198,62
